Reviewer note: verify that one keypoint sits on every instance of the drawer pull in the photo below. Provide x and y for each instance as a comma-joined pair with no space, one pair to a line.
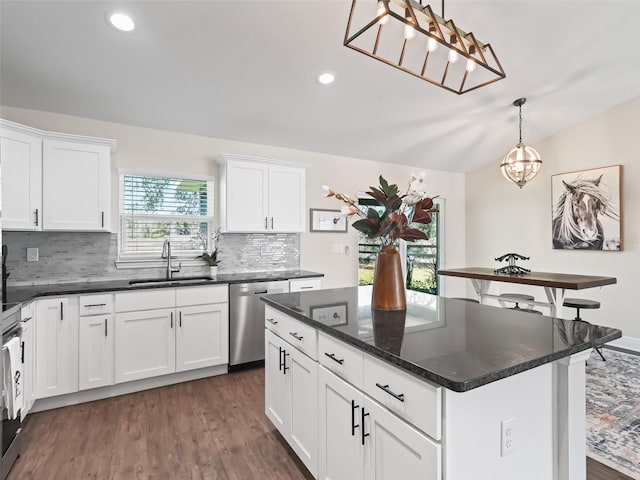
25,320
296,336
353,418
397,396
272,321
332,356
96,305
261,292
306,288
364,435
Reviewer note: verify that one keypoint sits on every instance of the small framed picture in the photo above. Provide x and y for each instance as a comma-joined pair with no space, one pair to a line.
327,221
331,315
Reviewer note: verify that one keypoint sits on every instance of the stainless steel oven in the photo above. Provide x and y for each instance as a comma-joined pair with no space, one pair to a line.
11,428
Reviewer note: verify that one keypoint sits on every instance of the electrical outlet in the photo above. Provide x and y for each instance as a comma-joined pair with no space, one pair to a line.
507,436
33,254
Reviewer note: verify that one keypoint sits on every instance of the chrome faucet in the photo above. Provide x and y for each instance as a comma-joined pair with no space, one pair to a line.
166,253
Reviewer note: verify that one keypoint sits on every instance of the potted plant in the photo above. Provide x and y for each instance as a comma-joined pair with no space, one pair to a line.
211,259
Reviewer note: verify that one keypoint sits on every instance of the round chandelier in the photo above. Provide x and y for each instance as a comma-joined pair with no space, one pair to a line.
522,163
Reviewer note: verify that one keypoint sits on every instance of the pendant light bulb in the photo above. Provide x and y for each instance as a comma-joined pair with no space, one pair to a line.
453,55
409,31
471,65
432,43
382,11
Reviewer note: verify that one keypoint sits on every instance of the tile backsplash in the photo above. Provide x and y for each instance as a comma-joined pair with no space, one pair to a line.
85,256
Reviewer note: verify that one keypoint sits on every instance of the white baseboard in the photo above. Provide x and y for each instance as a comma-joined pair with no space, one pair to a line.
124,388
626,343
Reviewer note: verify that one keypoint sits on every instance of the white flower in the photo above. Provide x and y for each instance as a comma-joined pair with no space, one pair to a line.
417,189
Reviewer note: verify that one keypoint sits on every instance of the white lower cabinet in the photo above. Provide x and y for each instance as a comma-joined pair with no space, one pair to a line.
202,336
360,439
56,346
28,349
145,344
291,400
96,353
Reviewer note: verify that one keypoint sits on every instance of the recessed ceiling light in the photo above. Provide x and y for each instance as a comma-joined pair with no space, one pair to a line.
121,21
325,78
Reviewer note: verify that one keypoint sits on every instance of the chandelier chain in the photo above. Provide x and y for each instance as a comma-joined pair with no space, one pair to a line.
520,125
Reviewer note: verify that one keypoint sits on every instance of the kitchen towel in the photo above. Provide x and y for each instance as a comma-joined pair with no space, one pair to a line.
13,377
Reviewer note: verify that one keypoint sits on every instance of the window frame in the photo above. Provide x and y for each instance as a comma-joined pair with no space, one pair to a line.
133,260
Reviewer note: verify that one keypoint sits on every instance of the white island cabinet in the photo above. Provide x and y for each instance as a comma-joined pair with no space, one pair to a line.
379,417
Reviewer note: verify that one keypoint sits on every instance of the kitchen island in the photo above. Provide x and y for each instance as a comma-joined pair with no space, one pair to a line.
446,390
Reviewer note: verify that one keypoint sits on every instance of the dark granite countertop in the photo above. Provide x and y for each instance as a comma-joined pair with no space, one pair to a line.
453,343
23,294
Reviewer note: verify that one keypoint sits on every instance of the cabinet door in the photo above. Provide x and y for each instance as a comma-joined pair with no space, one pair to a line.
96,351
76,186
286,198
145,344
394,449
303,380
340,451
56,347
277,391
27,363
21,155
246,196
202,338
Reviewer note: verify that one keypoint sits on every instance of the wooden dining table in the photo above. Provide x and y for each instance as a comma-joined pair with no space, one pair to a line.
555,284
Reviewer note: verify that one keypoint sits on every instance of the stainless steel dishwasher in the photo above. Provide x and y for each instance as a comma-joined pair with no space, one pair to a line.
246,320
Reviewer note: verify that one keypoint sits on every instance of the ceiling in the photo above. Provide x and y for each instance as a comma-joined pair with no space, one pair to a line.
245,70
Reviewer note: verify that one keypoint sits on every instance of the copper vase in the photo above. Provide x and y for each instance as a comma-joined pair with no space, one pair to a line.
388,282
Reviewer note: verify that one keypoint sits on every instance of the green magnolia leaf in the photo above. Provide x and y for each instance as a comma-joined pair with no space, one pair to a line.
366,227
373,213
384,185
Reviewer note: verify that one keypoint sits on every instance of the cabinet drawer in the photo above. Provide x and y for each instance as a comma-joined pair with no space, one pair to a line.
302,284
96,304
417,401
202,295
341,359
301,336
146,300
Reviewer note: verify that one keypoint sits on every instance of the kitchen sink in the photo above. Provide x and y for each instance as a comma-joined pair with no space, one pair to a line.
173,281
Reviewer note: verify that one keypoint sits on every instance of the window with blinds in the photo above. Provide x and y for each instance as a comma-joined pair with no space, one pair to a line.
154,209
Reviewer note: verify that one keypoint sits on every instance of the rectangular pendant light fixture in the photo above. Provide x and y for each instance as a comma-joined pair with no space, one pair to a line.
412,38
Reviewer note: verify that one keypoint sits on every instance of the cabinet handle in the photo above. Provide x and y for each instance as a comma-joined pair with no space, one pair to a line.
332,356
96,305
306,288
61,311
398,396
180,318
105,326
22,352
271,223
353,418
272,321
102,219
171,319
364,435
26,319
284,362
37,221
266,224
279,359
296,336
261,292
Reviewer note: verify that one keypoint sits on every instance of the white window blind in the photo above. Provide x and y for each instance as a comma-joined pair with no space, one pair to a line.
154,209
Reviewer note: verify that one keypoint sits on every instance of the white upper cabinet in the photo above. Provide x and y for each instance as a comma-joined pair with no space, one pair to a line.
21,156
263,196
76,186
54,181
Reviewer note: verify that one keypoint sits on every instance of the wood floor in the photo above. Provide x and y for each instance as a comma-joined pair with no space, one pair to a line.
202,430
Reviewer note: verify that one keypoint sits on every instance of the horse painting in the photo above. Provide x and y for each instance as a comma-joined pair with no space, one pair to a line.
575,217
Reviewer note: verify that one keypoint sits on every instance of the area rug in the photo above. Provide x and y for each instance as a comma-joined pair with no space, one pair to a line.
613,411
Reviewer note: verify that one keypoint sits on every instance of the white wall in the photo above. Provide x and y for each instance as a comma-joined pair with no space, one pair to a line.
502,218
164,151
